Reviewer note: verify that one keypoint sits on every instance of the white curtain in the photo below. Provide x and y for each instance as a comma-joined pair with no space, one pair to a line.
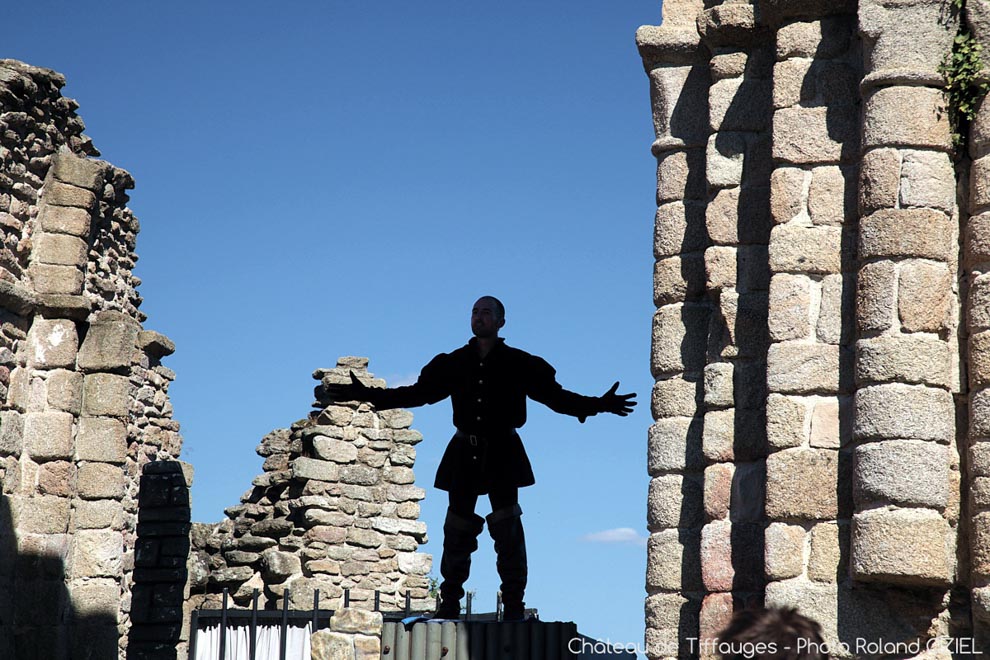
296,642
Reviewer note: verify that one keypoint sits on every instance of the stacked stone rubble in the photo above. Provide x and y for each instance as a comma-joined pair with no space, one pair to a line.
335,509
827,416
84,397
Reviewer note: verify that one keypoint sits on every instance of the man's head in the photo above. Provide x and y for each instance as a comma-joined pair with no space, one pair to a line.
487,317
777,634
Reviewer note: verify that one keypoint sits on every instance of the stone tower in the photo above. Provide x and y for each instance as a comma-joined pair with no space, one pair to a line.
821,343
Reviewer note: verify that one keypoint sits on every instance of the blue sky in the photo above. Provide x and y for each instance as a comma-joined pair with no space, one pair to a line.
345,178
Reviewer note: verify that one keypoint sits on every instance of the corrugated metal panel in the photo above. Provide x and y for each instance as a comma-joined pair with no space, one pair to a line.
478,640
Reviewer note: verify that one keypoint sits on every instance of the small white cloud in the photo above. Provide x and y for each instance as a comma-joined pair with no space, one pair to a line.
617,535
396,380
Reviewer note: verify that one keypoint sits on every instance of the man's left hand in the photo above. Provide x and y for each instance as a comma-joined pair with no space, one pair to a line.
617,404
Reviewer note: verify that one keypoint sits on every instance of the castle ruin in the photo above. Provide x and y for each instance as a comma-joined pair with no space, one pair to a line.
821,343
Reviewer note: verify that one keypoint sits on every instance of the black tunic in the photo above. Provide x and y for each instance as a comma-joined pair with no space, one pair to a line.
488,396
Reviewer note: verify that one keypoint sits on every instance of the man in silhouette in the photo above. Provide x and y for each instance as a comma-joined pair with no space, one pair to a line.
488,383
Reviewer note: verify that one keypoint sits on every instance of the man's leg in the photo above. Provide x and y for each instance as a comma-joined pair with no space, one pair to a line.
505,527
460,539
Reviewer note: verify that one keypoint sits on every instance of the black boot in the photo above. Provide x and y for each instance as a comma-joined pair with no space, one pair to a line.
505,527
460,539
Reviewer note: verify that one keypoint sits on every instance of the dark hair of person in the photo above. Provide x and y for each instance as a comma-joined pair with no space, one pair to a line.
772,634
499,307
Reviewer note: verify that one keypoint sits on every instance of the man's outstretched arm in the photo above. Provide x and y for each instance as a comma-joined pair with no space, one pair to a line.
617,404
545,389
429,388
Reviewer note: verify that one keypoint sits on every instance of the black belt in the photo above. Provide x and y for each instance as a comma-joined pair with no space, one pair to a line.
475,438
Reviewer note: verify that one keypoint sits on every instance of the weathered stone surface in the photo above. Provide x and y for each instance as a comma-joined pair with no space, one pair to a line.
674,444
718,490
979,303
803,484
64,220
718,435
718,385
979,360
96,598
301,592
681,176
83,172
97,553
928,180
978,239
680,334
902,546
826,423
98,481
816,134
720,267
57,478
109,343
106,395
832,196
353,620
11,433
876,289
798,249
60,249
980,544
679,228
898,411
845,613
673,560
879,180
791,78
730,24
367,647
676,93
671,620
829,556
979,418
50,278
922,233
311,468
63,194
728,65
784,551
881,467
739,104
715,615
672,397
65,390
906,36
979,459
823,38
903,359
731,556
675,501
924,297
52,343
41,514
276,566
331,449
329,645
790,307
787,193
786,422
724,159
101,439
678,278
802,368
97,514
906,117
48,435
835,309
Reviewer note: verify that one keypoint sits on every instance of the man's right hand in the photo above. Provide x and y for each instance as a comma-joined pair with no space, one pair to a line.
336,392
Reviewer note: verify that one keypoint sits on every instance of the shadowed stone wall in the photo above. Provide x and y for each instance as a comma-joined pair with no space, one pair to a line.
812,446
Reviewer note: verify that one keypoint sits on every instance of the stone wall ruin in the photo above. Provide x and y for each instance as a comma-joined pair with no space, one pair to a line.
818,346
95,525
